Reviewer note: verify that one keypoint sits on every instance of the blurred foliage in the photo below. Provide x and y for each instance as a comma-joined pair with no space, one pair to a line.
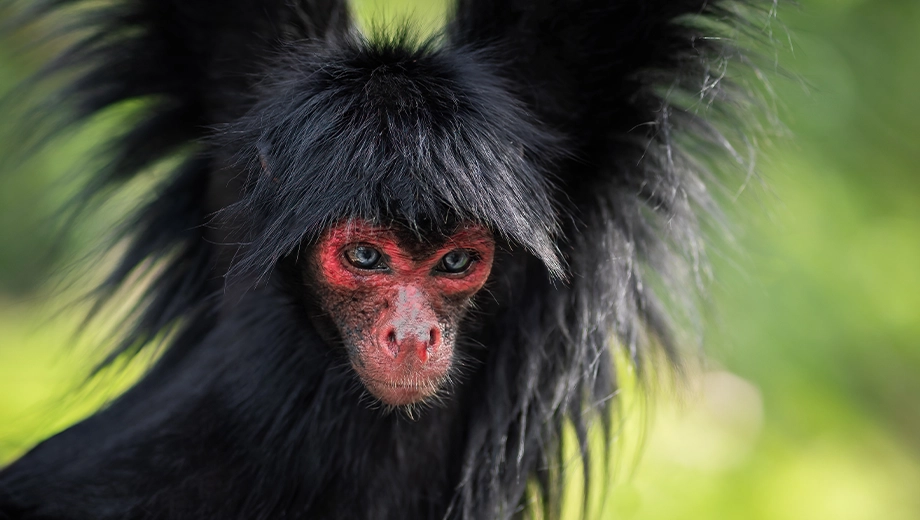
27,253
808,408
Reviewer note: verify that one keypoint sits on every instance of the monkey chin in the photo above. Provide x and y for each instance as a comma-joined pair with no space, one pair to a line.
405,381
401,394
404,389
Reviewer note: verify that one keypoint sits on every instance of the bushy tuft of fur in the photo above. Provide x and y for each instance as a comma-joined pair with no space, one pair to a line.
383,129
569,128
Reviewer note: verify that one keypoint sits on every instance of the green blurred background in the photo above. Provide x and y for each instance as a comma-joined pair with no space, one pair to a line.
810,405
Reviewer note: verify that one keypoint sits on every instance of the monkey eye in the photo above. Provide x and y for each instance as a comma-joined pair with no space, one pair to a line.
457,261
365,257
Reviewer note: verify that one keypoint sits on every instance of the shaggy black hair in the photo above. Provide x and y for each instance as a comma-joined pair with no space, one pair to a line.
567,127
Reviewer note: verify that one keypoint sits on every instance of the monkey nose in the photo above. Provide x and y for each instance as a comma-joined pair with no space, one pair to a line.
420,341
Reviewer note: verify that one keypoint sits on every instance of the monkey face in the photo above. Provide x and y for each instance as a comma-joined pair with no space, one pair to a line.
397,303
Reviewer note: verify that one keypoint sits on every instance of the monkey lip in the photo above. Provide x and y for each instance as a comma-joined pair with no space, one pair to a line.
406,383
398,393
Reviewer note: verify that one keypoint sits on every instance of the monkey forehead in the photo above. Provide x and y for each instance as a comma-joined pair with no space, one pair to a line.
384,131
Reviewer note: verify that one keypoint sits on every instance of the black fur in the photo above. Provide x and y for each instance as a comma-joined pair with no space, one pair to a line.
556,123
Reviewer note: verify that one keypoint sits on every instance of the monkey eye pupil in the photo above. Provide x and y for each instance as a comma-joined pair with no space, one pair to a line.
364,257
456,261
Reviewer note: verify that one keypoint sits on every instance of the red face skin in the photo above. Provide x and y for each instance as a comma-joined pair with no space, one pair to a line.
399,320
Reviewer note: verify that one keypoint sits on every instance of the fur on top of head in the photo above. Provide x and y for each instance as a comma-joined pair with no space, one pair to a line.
426,138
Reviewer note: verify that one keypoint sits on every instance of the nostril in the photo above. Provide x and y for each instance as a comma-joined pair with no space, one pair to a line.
434,338
390,344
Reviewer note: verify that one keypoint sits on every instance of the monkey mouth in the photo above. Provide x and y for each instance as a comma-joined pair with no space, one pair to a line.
401,393
403,385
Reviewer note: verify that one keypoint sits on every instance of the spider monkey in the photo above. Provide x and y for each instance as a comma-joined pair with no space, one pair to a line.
390,269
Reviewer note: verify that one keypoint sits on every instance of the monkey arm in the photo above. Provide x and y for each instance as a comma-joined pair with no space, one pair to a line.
184,67
641,95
